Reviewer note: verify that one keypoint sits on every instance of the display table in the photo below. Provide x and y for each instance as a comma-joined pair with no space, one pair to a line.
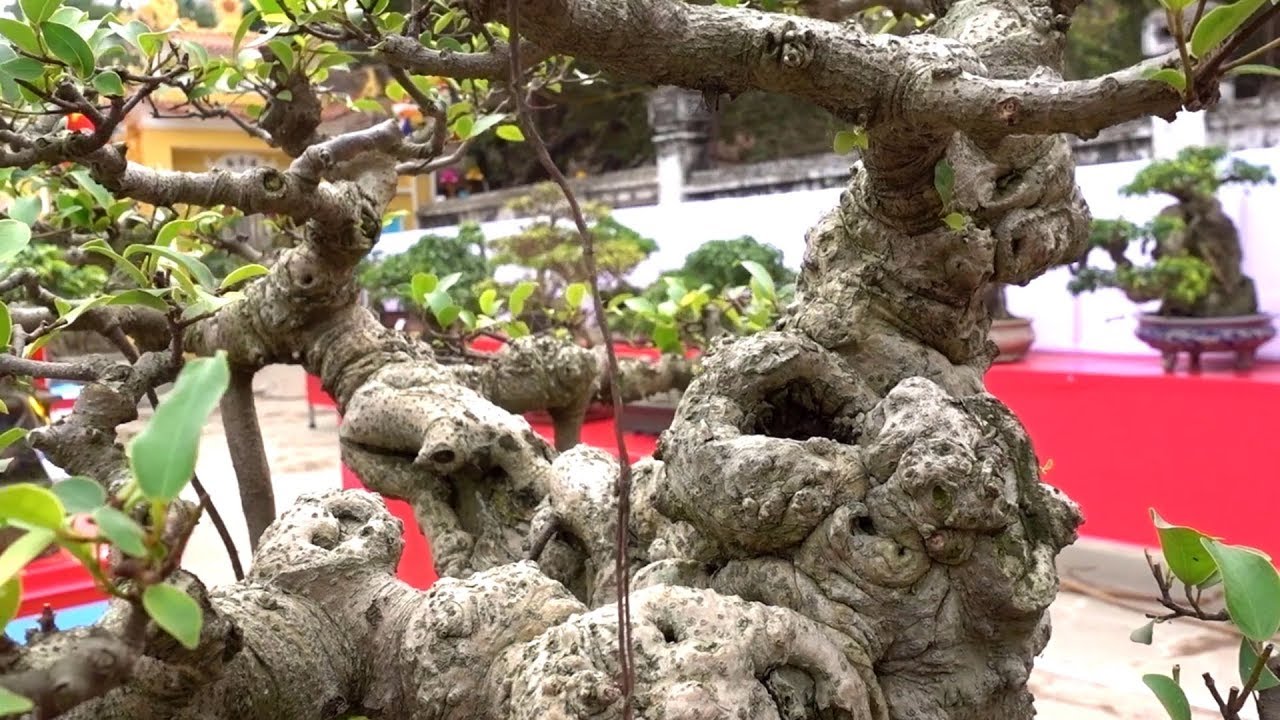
1123,436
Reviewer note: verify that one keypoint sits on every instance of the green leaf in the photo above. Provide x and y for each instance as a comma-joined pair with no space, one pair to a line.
11,436
6,329
510,133
108,83
284,96
37,11
67,45
26,209
20,34
38,343
1219,23
13,704
1143,635
442,22
448,281
151,42
1249,661
1176,5
241,274
519,295
574,295
80,494
31,506
1184,551
667,338
422,285
1168,76
484,123
175,612
446,315
847,140
1255,70
517,329
761,276
154,299
640,305
955,220
14,236
84,306
130,32
24,68
10,600
241,30
283,52
194,267
121,530
22,551
489,302
172,229
944,180
163,455
101,195
101,248
1252,588
1170,696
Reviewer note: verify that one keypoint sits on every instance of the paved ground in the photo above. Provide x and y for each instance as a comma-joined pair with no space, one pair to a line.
1090,671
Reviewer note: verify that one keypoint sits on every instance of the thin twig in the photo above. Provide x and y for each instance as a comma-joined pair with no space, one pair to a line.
621,566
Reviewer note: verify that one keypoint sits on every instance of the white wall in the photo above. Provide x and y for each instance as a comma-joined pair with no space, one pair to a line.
1100,322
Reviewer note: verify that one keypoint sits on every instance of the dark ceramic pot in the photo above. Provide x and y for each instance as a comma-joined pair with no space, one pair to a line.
1013,336
1240,334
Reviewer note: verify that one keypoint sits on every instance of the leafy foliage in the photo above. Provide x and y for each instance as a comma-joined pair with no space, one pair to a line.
719,264
390,276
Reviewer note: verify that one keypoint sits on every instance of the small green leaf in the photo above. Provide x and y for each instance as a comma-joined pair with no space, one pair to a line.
1184,551
422,285
10,599
640,305
448,281
510,133
241,30
13,704
121,530
761,276
944,180
848,140
11,436
667,338
175,612
6,329
442,22
1249,661
24,68
26,209
519,295
574,295
108,83
153,299
517,329
80,494
1168,76
283,52
172,229
73,314
284,95
447,314
14,236
1143,635
242,274
1176,5
484,123
101,248
23,550
151,42
67,45
31,506
1219,23
1170,696
955,220
489,302
1252,588
20,34
1255,70
163,455
193,266
37,11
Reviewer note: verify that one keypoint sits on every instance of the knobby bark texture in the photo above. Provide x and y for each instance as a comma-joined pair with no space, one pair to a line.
840,523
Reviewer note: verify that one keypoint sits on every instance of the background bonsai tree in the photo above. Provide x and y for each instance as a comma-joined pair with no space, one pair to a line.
1193,247
841,522
387,277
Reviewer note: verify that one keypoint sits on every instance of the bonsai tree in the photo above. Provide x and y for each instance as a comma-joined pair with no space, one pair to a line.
719,263
390,276
841,522
1194,248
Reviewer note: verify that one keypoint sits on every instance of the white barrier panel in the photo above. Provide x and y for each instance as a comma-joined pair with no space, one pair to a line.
1099,322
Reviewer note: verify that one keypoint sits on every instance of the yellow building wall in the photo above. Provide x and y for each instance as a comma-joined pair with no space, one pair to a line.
196,148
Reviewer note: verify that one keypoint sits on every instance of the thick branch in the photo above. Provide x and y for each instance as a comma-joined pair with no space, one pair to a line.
409,54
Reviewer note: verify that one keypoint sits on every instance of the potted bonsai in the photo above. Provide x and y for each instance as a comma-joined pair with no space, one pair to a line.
1207,303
